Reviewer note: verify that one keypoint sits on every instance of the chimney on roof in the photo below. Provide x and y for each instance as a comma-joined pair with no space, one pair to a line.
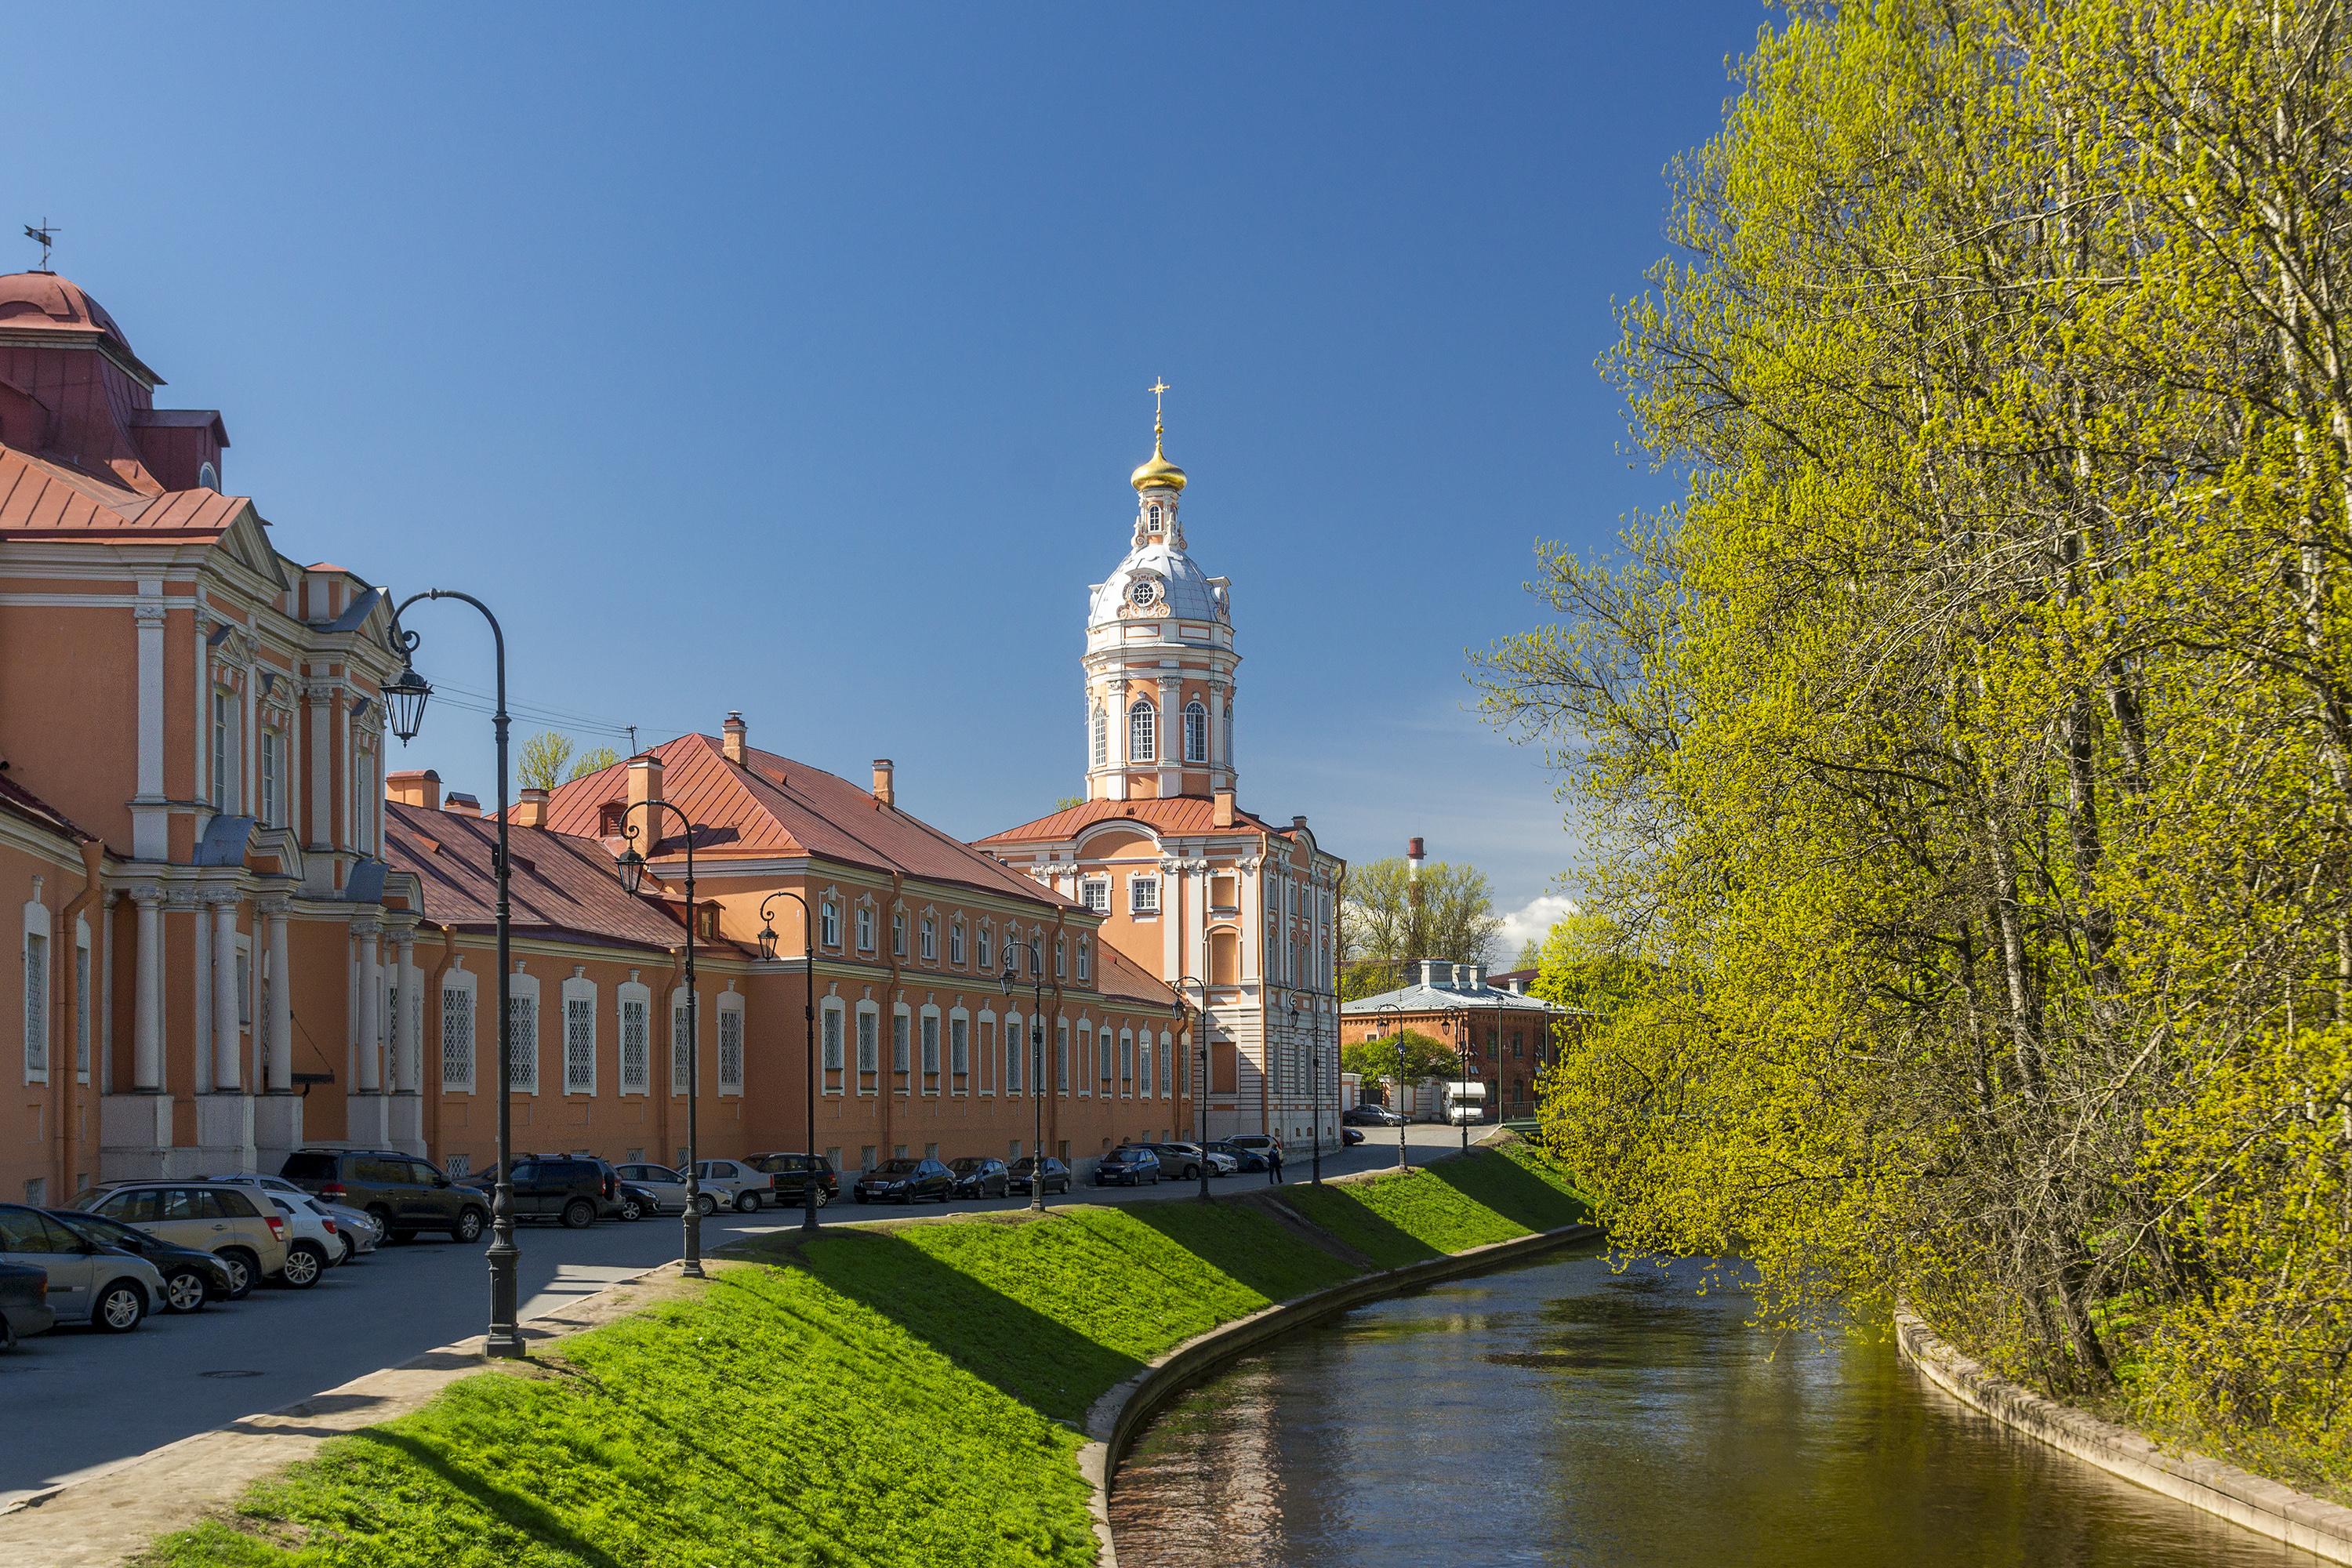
1470,976
1221,810
1436,972
884,791
414,786
645,784
531,811
1298,825
456,803
732,738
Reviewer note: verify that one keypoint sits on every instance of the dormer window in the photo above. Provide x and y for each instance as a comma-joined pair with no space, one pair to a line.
610,817
208,478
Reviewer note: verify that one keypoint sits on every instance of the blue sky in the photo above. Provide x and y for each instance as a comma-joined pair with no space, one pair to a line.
793,360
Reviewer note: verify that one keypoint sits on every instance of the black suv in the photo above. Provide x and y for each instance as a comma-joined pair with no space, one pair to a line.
908,1180
977,1176
577,1189
404,1193
789,1176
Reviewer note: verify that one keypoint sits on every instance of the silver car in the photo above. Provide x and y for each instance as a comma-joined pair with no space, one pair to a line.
731,1184
357,1232
108,1289
667,1188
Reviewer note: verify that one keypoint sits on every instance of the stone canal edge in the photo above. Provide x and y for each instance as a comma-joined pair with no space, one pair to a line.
2265,1507
1114,1419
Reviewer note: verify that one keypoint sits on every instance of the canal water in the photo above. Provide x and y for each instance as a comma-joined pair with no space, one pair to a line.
1563,1414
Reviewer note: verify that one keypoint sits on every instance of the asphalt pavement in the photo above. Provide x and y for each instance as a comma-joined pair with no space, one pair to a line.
77,1402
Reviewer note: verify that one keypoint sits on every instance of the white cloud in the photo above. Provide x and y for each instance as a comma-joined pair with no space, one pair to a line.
1531,920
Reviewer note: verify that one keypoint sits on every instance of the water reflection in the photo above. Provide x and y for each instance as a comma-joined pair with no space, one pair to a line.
1559,1414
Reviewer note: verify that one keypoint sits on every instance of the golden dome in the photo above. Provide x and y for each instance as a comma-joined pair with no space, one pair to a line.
1159,470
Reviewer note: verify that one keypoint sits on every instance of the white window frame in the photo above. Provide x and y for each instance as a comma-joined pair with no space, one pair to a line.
1013,1034
828,922
986,950
1099,736
864,927
733,1038
84,982
632,1014
959,1048
955,941
456,1028
523,1033
1142,731
1094,892
930,939
1144,1063
579,997
833,1033
933,1057
270,763
1085,1044
897,933
1166,1065
1062,1058
1143,893
681,1063
983,1050
1126,1063
1196,732
1085,962
902,1041
34,950
869,1045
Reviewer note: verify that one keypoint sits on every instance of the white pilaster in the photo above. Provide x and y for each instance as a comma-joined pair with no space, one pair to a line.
150,816
147,1003
280,1076
367,982
228,1044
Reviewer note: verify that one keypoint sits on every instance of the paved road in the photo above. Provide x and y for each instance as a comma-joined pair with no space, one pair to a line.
77,1402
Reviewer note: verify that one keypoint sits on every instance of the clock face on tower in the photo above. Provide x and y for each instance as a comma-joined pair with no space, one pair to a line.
1142,592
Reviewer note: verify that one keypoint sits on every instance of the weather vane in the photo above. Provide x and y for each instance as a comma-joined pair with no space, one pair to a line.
44,236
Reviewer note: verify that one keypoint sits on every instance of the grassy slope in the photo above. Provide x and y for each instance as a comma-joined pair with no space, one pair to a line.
897,1397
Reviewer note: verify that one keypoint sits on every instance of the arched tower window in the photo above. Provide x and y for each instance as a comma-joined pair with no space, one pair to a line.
1229,732
1098,740
1151,518
1196,733
1142,731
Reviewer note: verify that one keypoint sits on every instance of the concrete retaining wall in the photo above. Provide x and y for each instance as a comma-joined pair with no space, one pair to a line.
2322,1529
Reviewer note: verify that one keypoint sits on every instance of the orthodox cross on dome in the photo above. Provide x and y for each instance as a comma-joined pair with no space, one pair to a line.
1158,387
42,235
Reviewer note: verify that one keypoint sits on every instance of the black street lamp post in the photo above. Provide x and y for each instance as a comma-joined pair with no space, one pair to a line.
1404,1162
404,702
633,876
1036,1060
1461,1050
1201,1089
808,1030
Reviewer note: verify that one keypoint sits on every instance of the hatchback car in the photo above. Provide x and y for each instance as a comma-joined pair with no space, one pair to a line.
1129,1165
110,1289
731,1184
977,1176
311,1245
1370,1116
406,1195
1056,1178
357,1231
235,1224
1243,1159
190,1277
789,1176
905,1181
665,1186
24,1304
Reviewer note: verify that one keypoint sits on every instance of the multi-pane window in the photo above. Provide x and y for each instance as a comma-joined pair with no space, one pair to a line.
868,1043
272,771
1085,962
579,1045
1126,1061
457,1036
731,1049
833,1039
866,928
828,923
1013,1037
636,1056
986,962
1143,1059
1098,742
1229,734
681,1049
36,1006
898,933
1102,1058
1061,957
958,1046
1142,731
1143,895
1196,733
930,1044
1062,1058
955,943
898,1042
930,939
1166,1065
1094,893
522,1043
82,1013
223,757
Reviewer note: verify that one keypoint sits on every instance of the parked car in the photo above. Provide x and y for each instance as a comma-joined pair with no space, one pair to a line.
665,1186
1262,1144
404,1194
1243,1159
789,1176
573,1189
1183,1161
636,1203
233,1223
1017,1175
1469,1115
24,1304
1351,1136
311,1247
905,1180
731,1184
1129,1165
357,1231
111,1289
979,1176
190,1277
1369,1115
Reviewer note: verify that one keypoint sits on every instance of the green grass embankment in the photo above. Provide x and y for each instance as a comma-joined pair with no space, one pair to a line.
888,1396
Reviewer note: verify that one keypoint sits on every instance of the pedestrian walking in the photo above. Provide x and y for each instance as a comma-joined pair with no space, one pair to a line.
1273,1164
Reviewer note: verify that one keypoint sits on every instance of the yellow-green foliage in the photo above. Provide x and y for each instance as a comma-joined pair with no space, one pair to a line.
894,1396
1971,747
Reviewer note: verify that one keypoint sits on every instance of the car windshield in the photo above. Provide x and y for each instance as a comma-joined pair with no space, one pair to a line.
772,1165
104,1232
895,1168
965,1167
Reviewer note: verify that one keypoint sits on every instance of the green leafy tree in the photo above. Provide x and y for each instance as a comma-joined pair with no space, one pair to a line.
1408,1056
594,760
541,763
1389,918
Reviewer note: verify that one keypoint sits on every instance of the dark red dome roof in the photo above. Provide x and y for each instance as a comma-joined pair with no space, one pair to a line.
45,302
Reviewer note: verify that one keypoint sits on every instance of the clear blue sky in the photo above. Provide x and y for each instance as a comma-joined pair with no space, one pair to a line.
793,360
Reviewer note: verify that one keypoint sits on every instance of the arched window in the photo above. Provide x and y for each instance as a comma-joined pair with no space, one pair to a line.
1152,518
1196,733
1229,733
1142,731
1099,738
208,477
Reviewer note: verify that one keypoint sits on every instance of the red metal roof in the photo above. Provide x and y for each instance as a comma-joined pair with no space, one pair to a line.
1177,816
1120,976
560,885
43,301
770,807
22,801
41,498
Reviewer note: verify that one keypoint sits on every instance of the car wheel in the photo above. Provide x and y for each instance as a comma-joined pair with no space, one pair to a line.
705,1204
857,1195
579,1214
747,1203
823,1197
242,1267
631,1209
304,1263
351,1247
184,1291
382,1217
468,1227
117,1308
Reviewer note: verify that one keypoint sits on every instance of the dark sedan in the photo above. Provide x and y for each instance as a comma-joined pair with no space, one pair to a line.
24,1303
1244,1159
1129,1165
1372,1116
1056,1178
979,1177
190,1277
905,1181
1351,1136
